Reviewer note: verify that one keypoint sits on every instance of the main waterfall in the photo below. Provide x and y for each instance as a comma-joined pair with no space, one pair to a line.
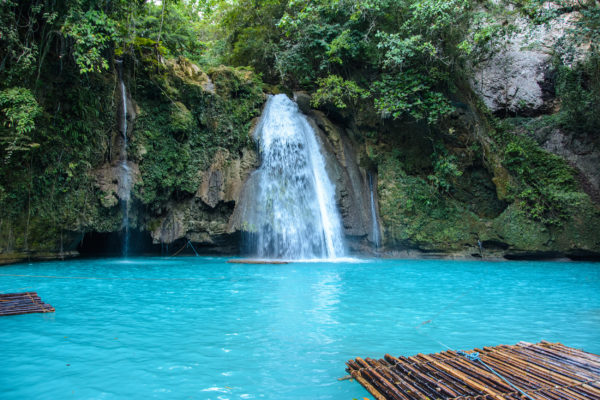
293,214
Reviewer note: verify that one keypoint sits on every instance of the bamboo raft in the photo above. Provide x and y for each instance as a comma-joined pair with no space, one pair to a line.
548,371
23,303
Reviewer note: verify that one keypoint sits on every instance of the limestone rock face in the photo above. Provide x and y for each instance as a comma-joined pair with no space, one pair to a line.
224,179
518,79
205,219
108,179
191,74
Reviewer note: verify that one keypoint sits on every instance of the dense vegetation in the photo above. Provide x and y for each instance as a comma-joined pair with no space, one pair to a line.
397,70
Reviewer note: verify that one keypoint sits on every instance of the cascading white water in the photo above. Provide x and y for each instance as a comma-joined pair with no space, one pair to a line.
124,170
294,214
374,225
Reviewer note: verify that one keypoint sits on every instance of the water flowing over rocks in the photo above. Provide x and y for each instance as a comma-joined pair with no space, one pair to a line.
352,187
342,158
224,183
294,214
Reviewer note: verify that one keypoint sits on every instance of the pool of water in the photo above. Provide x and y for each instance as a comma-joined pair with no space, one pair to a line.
200,328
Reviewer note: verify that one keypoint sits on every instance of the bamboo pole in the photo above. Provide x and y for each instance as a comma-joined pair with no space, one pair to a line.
386,386
356,375
404,384
410,370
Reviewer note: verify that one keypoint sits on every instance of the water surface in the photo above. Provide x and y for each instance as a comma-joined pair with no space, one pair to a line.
202,329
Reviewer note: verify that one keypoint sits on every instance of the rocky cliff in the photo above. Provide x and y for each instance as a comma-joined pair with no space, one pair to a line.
499,178
509,170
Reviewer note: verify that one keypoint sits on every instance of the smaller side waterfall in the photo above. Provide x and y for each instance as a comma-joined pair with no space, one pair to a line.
124,170
374,224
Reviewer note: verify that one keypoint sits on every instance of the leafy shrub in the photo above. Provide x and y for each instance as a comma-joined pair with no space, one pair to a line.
20,109
339,92
546,188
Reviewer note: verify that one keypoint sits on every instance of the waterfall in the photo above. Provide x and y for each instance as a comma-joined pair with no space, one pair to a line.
293,214
124,171
374,225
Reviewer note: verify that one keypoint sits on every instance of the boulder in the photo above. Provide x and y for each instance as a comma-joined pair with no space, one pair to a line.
303,101
519,78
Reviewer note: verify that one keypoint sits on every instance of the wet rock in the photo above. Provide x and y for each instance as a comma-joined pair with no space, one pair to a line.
303,101
109,179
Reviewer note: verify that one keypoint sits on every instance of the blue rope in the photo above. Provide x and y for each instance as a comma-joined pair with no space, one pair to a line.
474,357
192,246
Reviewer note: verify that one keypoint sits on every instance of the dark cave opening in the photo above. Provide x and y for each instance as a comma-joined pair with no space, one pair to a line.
110,244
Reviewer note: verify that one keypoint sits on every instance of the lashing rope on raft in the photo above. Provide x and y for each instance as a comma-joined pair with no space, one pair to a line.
474,357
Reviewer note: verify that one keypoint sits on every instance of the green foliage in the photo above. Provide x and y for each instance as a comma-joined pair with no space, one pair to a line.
179,27
343,47
339,92
49,189
19,111
445,169
416,60
251,36
399,60
180,134
407,53
545,185
414,211
421,198
56,90
578,88
489,33
411,93
92,33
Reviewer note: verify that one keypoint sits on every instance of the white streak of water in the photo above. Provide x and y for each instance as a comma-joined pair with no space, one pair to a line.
124,170
374,225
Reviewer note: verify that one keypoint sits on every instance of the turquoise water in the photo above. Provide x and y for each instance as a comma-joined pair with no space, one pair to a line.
202,329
